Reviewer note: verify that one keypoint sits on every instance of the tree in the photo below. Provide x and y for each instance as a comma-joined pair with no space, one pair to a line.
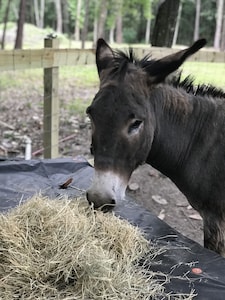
5,23
148,16
119,28
65,16
114,9
102,18
131,21
219,20
20,23
165,23
59,16
77,21
187,22
85,27
197,19
39,9
223,32
175,35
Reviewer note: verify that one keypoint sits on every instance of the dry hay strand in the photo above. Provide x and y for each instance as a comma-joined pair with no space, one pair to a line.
61,249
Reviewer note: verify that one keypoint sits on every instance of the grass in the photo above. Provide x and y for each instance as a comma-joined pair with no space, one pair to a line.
84,79
84,75
79,106
205,72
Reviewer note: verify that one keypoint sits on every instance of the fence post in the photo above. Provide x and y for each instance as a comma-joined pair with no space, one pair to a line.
51,106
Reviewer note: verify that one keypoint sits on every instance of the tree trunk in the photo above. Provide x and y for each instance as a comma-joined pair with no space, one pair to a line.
95,31
42,12
36,13
65,14
147,32
147,6
59,16
77,21
39,13
20,23
102,19
85,27
175,35
111,35
5,24
119,29
219,20
197,19
223,32
165,23
95,23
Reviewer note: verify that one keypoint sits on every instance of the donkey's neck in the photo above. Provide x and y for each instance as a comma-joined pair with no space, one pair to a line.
181,122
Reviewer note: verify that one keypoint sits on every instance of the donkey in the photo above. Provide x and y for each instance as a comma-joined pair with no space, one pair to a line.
140,116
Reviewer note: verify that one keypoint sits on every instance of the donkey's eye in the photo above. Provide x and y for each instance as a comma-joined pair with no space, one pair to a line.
134,126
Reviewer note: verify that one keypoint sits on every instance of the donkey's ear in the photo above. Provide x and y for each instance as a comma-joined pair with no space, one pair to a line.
104,55
159,69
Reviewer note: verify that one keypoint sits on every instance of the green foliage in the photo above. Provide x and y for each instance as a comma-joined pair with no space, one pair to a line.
207,21
134,15
13,12
129,35
114,7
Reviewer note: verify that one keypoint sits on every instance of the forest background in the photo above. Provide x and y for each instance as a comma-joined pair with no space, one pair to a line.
154,22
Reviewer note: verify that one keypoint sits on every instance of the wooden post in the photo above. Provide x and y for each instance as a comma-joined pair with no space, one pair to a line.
51,106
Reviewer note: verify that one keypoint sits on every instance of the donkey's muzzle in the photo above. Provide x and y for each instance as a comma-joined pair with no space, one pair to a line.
105,204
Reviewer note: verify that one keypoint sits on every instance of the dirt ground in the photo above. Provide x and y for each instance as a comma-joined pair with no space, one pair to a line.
159,195
21,116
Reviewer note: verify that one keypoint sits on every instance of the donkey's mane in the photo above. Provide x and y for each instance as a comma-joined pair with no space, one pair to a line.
198,90
123,59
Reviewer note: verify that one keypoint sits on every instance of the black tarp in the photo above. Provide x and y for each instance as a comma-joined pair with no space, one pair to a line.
19,180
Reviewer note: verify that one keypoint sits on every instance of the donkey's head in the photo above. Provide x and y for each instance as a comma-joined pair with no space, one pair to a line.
123,117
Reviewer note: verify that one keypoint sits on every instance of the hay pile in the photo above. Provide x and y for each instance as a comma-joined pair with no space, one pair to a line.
61,249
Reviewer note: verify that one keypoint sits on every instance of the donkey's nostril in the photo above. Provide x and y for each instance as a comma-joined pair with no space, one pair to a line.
108,206
104,204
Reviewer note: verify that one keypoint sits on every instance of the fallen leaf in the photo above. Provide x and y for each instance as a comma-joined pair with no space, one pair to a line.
66,183
196,271
91,162
158,199
161,215
195,217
